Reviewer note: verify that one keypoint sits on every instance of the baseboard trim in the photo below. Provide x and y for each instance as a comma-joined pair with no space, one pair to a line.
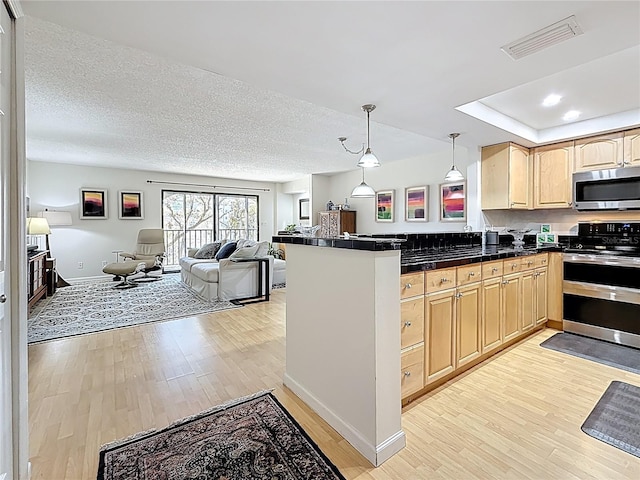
376,454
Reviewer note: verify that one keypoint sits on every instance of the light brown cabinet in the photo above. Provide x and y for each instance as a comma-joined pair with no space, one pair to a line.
439,335
541,295
552,168
492,314
554,287
506,177
411,332
631,148
600,152
468,323
335,222
511,306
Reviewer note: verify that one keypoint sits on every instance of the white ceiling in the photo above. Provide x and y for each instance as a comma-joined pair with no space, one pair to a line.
261,90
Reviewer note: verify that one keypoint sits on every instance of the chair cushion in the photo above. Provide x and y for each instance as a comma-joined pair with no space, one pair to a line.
226,250
263,249
247,251
208,251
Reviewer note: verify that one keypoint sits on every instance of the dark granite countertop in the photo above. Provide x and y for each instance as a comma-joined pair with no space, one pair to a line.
353,243
417,260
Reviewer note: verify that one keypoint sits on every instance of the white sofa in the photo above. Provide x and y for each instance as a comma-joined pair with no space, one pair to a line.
225,279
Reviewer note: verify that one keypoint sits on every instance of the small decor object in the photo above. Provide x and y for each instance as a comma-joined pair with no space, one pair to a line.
303,204
545,228
130,204
416,204
453,202
329,205
253,437
384,206
346,205
93,204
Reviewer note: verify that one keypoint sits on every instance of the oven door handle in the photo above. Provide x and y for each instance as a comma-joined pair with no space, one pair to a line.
603,292
602,260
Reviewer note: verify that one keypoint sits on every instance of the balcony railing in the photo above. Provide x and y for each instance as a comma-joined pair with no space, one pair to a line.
178,241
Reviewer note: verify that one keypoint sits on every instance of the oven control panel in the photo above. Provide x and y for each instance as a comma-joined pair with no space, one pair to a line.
604,229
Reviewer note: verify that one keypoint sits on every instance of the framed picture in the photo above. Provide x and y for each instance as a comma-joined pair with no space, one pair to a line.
416,204
453,202
93,203
130,205
304,208
384,206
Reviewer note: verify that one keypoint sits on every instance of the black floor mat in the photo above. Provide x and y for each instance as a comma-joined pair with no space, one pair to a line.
611,354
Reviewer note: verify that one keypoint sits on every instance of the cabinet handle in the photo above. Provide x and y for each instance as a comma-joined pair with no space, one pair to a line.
407,374
529,263
505,282
407,324
494,270
444,280
569,203
458,295
472,274
514,265
408,285
544,261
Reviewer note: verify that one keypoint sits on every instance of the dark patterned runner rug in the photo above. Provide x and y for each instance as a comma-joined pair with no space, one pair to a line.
251,438
616,418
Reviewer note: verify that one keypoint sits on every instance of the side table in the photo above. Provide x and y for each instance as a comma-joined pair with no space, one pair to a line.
52,275
263,275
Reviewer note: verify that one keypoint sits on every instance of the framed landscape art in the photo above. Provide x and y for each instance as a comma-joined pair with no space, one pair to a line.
130,205
453,202
384,206
93,203
416,204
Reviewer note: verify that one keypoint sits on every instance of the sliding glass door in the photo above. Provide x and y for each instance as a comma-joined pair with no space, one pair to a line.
191,219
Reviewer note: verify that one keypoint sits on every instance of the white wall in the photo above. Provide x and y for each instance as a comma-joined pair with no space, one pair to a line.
57,187
413,172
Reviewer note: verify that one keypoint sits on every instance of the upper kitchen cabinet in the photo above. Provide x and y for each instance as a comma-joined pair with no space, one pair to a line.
632,147
552,167
598,153
506,177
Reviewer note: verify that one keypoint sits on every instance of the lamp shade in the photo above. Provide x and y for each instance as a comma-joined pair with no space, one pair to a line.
56,219
38,226
363,191
368,160
453,175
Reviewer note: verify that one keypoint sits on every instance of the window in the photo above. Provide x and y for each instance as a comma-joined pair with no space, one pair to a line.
190,220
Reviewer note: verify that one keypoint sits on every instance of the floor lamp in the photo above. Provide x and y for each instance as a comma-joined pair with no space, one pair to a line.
56,219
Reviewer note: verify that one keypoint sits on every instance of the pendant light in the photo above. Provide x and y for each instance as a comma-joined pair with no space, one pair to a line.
454,174
368,159
363,190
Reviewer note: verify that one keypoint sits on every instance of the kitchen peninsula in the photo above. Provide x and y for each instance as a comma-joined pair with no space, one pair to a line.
346,299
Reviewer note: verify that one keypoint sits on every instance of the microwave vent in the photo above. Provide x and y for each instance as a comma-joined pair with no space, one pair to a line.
546,37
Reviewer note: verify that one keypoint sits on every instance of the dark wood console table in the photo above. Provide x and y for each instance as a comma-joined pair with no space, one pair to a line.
37,285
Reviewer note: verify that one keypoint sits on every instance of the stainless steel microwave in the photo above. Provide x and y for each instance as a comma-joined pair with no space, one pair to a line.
616,189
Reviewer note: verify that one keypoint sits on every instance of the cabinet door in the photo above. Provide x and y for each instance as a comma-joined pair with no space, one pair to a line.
597,153
411,322
528,305
511,306
411,374
324,223
347,222
439,335
519,178
540,281
554,287
468,315
552,167
334,223
491,314
631,147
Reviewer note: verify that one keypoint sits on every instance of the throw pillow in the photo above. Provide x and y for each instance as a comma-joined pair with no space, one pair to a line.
248,251
226,250
208,251
263,249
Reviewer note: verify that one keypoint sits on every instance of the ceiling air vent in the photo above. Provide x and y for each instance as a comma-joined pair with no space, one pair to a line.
556,33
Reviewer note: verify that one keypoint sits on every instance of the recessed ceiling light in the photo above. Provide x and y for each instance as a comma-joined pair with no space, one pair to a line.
551,100
571,115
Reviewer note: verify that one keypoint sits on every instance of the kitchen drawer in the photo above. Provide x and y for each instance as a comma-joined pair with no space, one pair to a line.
542,260
412,371
441,279
411,322
528,262
469,274
411,284
492,270
511,265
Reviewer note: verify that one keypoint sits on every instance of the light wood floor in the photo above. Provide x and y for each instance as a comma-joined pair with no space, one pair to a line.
516,416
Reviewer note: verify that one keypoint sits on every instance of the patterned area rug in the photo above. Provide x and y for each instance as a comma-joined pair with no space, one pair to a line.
95,306
250,438
616,418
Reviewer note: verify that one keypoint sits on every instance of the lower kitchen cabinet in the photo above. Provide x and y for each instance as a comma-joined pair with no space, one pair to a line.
511,306
439,334
528,315
541,289
412,366
491,314
468,323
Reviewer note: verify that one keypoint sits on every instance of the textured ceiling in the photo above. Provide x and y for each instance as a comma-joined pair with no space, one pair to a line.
137,88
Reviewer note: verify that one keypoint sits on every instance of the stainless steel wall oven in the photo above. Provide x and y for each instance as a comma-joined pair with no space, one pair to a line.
601,288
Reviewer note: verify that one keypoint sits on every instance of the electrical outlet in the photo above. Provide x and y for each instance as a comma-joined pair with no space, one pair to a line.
104,263
80,265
